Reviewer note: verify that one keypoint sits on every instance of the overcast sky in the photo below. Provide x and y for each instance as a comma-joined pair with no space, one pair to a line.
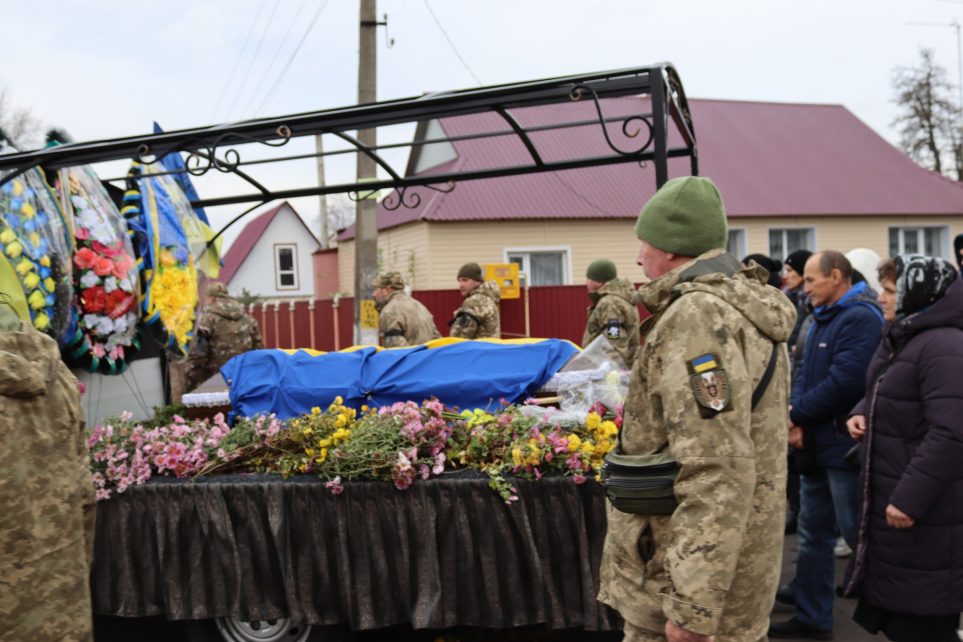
106,68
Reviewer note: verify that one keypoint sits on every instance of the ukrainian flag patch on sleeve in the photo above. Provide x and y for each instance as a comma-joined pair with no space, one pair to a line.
709,384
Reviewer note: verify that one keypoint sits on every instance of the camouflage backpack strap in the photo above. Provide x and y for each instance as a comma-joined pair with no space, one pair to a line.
766,377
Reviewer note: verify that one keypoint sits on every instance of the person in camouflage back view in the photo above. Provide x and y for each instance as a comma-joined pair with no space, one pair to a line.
709,571
402,321
613,312
46,494
478,316
224,330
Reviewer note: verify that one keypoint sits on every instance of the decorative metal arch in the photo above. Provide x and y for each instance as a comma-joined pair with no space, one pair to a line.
216,147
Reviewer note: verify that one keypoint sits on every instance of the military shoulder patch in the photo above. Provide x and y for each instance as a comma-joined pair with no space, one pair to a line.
613,329
709,383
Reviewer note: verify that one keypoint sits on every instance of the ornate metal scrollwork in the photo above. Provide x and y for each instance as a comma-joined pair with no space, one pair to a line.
406,196
632,126
199,163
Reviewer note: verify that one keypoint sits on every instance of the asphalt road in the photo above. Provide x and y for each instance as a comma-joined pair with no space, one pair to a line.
160,630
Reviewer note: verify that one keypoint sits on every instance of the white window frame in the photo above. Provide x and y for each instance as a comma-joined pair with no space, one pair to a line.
740,249
566,251
294,266
811,246
943,244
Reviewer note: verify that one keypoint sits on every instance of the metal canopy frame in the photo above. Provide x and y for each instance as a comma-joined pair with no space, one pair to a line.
216,147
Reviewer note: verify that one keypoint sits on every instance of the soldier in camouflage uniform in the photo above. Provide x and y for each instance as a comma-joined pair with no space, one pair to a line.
402,321
223,331
46,494
712,567
613,312
478,316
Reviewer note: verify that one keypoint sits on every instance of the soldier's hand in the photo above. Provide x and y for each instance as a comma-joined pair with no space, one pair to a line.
856,426
675,633
796,436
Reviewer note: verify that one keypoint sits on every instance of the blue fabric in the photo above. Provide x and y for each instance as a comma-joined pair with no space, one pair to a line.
828,499
174,163
468,374
832,376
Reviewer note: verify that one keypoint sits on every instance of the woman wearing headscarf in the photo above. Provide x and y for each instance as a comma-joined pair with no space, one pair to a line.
910,424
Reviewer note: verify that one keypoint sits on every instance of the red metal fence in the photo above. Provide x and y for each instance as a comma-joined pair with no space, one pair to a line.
553,311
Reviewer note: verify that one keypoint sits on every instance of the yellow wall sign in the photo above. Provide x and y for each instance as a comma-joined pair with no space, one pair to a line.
369,315
506,276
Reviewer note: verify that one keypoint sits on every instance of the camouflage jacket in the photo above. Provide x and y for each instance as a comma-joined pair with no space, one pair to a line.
613,313
713,565
403,321
223,331
478,316
46,495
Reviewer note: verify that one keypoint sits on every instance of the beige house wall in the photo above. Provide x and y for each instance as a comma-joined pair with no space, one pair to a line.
432,253
401,249
844,233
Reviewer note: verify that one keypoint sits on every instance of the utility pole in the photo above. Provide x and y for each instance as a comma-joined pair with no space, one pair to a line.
366,213
323,205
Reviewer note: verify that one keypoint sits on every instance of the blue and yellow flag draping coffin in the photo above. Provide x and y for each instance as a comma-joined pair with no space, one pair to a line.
466,374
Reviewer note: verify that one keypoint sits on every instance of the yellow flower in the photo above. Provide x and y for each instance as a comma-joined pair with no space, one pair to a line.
41,321
517,456
167,259
17,188
324,443
309,452
593,421
7,236
588,448
45,260
50,284
315,411
31,280
608,429
364,407
309,431
24,266
36,300
28,210
14,249
34,239
574,443
338,401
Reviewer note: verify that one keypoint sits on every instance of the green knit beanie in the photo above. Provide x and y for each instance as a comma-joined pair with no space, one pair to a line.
685,217
471,271
601,270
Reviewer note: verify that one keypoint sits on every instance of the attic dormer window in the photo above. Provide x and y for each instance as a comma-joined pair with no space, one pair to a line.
286,266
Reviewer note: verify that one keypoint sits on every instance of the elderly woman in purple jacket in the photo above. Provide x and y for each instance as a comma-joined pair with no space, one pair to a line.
909,557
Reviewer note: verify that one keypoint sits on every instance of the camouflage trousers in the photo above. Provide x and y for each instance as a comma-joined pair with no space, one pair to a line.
635,634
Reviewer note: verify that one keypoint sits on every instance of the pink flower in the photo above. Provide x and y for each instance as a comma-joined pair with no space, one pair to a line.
439,466
83,234
335,485
103,266
98,350
578,479
425,471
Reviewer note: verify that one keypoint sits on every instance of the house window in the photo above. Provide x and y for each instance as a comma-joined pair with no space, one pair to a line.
930,241
737,243
286,267
544,266
783,242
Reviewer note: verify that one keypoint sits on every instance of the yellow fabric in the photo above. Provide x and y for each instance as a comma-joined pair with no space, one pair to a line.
10,285
435,343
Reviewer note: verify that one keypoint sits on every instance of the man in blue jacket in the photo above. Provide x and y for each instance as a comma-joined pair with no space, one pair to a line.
830,380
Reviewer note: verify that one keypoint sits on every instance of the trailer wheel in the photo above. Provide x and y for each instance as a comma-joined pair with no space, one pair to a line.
229,629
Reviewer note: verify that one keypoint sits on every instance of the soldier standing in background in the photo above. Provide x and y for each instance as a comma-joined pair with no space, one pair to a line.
712,567
46,494
478,316
224,330
402,321
613,312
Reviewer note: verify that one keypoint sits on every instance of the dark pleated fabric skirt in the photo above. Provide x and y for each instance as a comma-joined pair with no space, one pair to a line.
906,627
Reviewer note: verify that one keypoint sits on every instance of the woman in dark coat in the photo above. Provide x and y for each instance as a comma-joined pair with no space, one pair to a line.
910,552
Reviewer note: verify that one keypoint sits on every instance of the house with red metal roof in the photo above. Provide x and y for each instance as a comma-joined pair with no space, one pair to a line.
272,257
792,176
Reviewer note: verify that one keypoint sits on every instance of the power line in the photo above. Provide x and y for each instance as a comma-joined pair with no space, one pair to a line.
294,54
237,61
257,50
274,58
451,44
